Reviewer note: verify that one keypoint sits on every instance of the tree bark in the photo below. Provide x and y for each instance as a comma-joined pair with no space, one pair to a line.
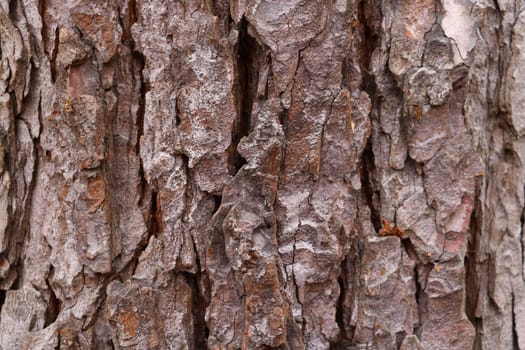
262,174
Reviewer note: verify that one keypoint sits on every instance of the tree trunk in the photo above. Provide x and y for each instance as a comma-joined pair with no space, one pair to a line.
262,174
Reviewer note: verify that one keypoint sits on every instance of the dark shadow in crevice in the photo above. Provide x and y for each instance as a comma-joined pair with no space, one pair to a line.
409,248
347,286
13,10
515,342
177,113
217,200
472,269
339,312
421,272
54,305
368,187
155,215
247,74
369,42
199,305
138,64
2,298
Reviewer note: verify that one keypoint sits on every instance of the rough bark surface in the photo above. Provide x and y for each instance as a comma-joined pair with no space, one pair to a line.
258,174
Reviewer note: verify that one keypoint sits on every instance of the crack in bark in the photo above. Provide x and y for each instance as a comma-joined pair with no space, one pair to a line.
199,306
515,343
154,220
472,282
369,189
367,169
421,272
54,304
138,60
13,6
247,74
339,314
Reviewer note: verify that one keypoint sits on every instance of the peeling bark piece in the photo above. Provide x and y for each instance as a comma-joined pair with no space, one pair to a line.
458,25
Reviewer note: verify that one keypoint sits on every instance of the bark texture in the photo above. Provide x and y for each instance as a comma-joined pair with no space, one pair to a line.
262,174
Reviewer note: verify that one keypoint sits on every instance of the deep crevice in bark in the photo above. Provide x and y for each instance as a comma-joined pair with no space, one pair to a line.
371,194
138,63
522,223
400,336
217,200
515,343
283,117
369,42
54,304
409,248
419,297
199,305
339,313
2,298
154,221
54,54
421,272
44,31
247,73
472,283
13,6
177,113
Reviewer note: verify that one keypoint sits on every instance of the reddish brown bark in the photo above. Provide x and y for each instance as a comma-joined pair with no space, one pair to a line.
255,174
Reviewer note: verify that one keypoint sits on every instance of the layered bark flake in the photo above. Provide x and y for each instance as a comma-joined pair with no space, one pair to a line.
262,174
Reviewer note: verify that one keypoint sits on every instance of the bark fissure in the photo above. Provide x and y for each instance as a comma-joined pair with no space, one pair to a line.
339,316
155,215
515,330
54,304
419,276
369,190
138,60
2,298
247,73
198,310
472,280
